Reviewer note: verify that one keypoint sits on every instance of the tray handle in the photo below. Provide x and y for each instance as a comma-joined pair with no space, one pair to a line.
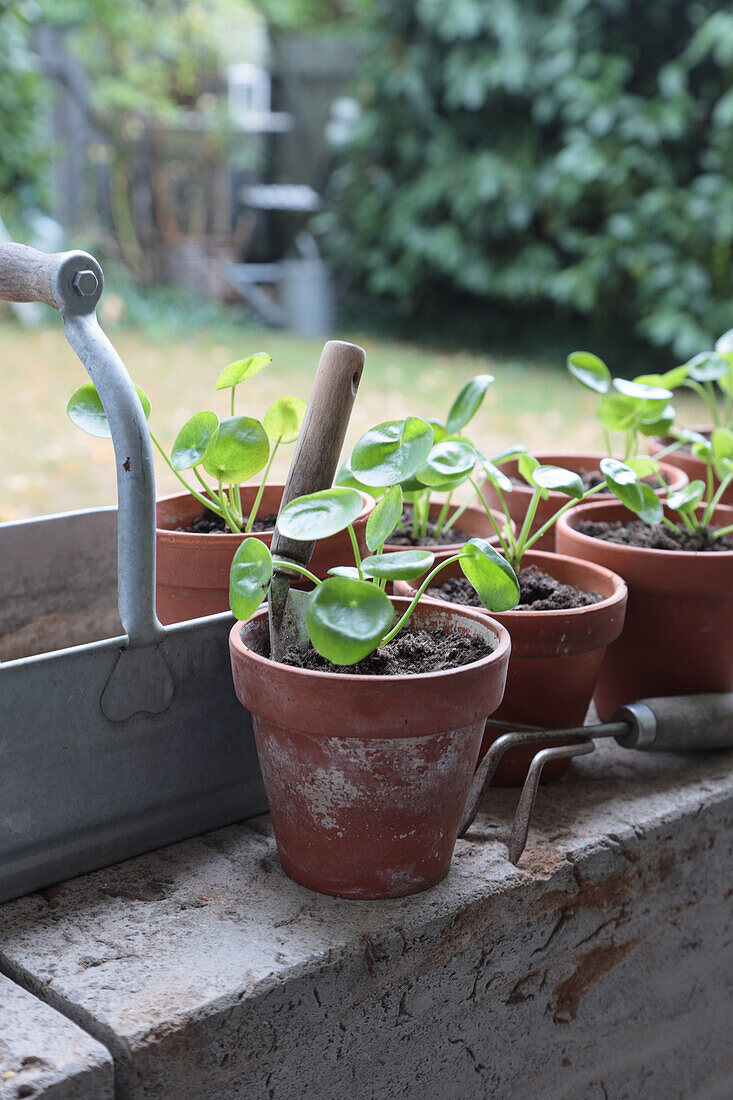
72,282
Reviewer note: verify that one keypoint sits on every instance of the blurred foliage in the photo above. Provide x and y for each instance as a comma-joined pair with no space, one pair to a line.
311,15
23,150
571,158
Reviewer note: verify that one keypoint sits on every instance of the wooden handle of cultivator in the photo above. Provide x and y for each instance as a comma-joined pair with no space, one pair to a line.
27,275
322,435
678,723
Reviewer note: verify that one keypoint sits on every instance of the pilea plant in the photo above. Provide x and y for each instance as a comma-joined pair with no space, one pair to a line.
349,615
227,451
545,479
632,407
421,456
711,368
717,455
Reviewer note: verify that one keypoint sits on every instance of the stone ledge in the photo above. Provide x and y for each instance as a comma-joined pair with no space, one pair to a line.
44,1056
605,962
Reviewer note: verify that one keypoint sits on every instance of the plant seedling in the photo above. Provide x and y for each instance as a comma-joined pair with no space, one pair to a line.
716,453
542,480
227,451
635,408
421,457
708,369
349,615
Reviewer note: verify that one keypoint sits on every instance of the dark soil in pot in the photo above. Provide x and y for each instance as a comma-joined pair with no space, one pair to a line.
208,523
403,536
411,652
538,592
656,537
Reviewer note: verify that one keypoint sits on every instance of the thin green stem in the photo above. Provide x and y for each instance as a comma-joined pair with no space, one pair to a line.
565,508
232,402
294,567
236,527
672,526
713,504
508,546
607,438
189,488
258,499
355,547
723,531
443,515
235,503
527,522
425,585
207,489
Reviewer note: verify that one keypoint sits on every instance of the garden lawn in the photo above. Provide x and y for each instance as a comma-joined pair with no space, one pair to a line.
48,465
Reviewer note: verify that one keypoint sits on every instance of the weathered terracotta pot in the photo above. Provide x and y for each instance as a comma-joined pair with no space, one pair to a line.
474,522
691,466
518,500
678,636
192,572
555,660
367,778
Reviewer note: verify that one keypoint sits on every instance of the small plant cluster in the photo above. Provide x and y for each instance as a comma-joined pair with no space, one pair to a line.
225,451
349,615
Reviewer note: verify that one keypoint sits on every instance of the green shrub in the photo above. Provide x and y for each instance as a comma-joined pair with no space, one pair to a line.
573,157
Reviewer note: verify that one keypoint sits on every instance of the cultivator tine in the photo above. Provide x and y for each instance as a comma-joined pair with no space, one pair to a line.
520,825
487,768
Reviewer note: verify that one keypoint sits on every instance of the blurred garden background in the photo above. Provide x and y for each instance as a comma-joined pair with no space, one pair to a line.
460,185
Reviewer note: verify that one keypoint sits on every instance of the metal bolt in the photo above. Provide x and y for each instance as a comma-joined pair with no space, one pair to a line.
85,283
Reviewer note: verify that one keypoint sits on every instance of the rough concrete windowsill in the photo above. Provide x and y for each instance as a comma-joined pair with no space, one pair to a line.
603,965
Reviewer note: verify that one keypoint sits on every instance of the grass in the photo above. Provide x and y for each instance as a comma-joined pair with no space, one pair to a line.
48,465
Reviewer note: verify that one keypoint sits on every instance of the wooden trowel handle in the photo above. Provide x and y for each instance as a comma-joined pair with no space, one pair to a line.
322,435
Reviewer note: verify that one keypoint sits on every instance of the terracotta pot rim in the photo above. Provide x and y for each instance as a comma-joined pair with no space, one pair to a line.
499,631
584,511
230,536
544,457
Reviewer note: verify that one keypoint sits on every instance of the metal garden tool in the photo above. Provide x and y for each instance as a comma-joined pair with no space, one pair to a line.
675,723
311,470
135,739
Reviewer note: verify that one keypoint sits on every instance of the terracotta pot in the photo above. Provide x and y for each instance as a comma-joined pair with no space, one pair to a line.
678,637
683,460
192,573
518,500
367,778
474,522
555,660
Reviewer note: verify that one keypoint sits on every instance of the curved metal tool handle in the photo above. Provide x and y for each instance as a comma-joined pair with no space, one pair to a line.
322,435
72,282
678,723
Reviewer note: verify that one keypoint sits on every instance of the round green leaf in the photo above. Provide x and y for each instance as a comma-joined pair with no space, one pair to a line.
448,464
687,498
702,449
526,465
658,424
439,430
707,367
385,517
242,369
283,419
640,391
402,565
623,482
509,453
490,574
346,477
644,465
468,402
85,410
724,343
240,450
651,510
392,452
617,412
346,619
319,515
670,380
722,441
193,440
345,571
496,476
687,435
249,578
590,371
558,480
